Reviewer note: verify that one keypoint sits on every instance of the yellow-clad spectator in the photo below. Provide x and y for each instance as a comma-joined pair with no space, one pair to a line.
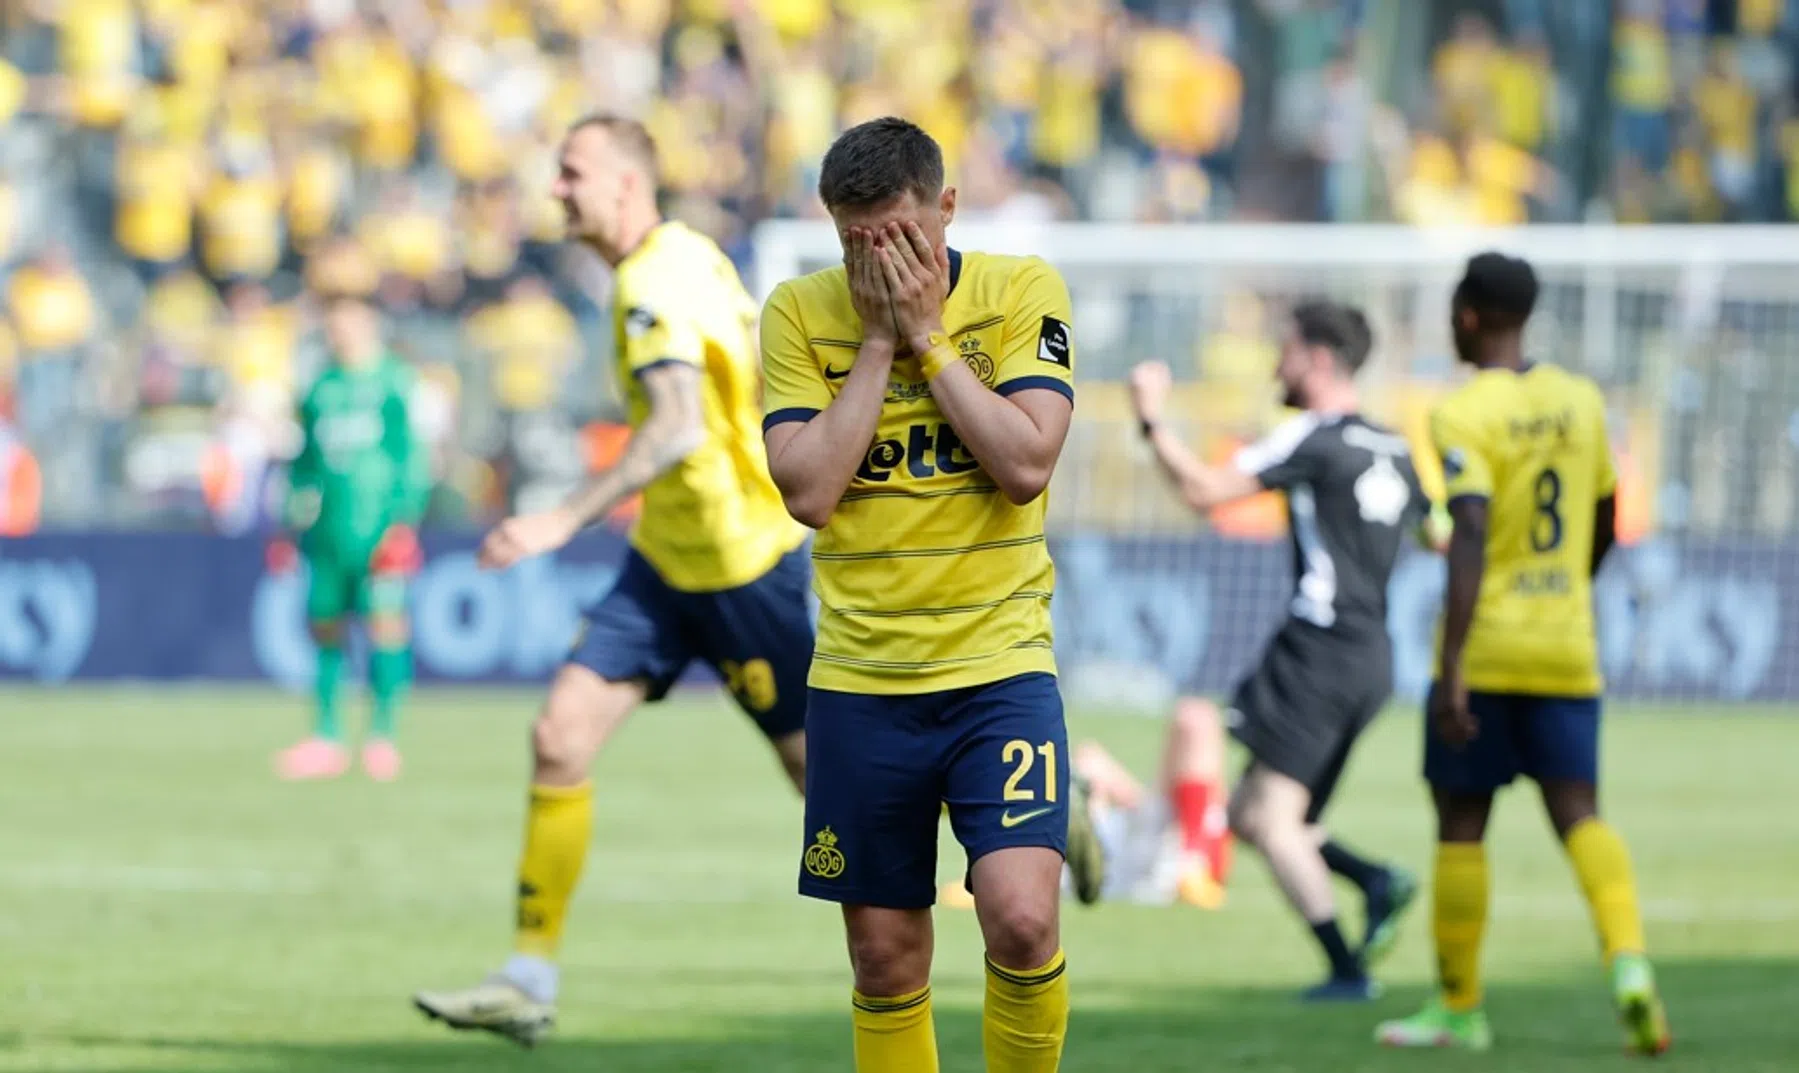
1472,180
1642,83
1182,95
386,106
98,51
318,183
795,20
54,315
1236,364
255,343
408,239
466,138
1726,108
1523,91
342,265
199,43
1760,18
489,230
50,305
180,311
240,217
529,340
156,183
1463,71
14,90
1066,131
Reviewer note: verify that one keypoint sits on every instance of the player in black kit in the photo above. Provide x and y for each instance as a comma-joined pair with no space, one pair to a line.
1352,495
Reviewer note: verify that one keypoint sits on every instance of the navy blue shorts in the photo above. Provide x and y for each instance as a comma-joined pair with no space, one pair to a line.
1538,737
758,637
880,769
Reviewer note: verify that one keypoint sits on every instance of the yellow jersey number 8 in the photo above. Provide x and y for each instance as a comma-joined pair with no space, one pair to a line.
1024,756
1546,523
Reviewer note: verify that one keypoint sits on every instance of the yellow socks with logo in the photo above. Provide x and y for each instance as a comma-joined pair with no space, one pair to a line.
557,829
1602,864
1026,1017
1460,912
894,1035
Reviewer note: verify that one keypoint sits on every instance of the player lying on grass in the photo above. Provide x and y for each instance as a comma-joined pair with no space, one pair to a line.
1129,842
1352,494
918,399
716,571
1530,480
357,490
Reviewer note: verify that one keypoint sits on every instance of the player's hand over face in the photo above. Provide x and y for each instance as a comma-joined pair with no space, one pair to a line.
525,535
917,282
1150,383
868,288
1449,713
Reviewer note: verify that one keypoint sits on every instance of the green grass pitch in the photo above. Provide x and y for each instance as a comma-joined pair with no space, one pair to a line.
166,905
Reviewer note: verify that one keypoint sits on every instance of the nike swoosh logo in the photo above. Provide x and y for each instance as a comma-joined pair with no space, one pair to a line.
1006,819
835,374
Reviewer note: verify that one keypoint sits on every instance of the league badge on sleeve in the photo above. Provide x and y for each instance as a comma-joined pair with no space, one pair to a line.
1054,344
1454,463
638,320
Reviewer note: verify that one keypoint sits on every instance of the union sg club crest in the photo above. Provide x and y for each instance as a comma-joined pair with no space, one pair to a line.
823,858
980,363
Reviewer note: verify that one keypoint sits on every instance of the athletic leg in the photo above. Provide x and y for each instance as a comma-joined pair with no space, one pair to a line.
630,651
1009,798
322,755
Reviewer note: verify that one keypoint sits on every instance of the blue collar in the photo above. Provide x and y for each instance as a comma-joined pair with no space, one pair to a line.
955,268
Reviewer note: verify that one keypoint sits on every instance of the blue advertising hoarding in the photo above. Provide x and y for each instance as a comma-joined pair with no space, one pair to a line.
1700,619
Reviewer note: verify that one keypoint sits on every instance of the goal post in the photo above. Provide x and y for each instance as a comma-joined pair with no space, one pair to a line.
1692,332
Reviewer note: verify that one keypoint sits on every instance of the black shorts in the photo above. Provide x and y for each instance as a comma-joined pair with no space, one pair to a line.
1300,711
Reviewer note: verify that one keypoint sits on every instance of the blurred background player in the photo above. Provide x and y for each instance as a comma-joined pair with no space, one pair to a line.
1137,845
922,457
1351,496
357,490
1531,488
716,572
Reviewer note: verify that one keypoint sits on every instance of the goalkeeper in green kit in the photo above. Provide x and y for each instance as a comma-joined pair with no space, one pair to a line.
357,490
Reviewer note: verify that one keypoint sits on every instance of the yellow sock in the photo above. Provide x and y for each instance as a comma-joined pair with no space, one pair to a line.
1603,865
1026,1018
894,1035
557,829
1460,898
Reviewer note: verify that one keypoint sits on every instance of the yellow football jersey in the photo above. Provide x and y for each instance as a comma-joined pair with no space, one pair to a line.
928,578
715,521
1533,444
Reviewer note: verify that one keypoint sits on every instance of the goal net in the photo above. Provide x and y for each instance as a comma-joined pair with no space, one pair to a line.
1691,331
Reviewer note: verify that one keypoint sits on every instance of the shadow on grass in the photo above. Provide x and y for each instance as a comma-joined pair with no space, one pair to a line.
1728,1016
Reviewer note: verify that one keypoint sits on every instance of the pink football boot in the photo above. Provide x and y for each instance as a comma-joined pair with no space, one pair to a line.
381,761
314,758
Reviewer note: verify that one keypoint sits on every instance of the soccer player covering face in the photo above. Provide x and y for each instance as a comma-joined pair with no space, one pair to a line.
1352,494
357,490
917,400
1530,482
715,571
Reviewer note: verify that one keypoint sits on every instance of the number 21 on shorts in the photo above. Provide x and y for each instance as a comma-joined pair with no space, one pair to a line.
1022,756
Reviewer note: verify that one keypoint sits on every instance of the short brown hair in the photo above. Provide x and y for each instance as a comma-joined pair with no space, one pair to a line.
1341,329
877,161
630,136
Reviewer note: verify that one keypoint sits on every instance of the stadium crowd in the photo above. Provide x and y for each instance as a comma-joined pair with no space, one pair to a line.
173,171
